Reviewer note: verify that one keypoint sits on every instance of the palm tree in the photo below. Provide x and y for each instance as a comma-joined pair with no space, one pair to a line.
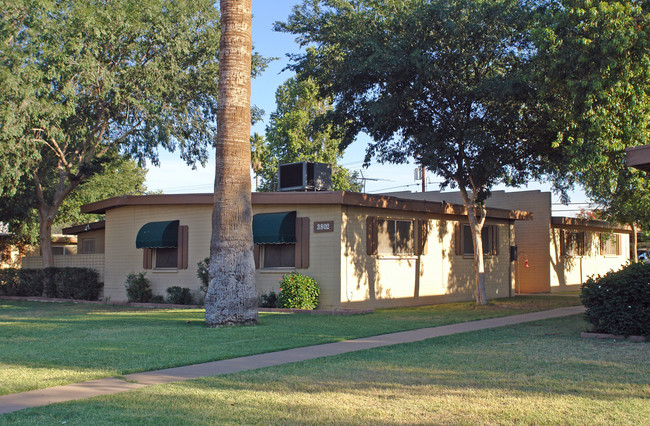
231,297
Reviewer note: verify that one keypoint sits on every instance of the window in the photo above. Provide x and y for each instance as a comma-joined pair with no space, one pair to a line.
281,240
395,237
574,243
610,244
166,257
88,246
279,255
165,244
465,240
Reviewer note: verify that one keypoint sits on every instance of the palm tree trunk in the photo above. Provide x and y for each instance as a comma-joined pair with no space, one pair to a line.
231,297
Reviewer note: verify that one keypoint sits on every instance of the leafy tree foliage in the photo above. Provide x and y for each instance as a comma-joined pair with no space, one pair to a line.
83,79
592,71
294,135
119,176
438,80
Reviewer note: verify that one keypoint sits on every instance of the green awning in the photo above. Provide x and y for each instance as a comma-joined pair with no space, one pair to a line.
274,228
158,235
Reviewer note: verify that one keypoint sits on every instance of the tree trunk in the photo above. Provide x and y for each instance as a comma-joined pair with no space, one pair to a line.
46,218
476,227
634,246
231,297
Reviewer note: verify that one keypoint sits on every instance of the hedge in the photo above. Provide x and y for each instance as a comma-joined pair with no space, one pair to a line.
619,302
63,283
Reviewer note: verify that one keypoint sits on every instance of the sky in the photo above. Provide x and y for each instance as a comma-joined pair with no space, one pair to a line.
174,176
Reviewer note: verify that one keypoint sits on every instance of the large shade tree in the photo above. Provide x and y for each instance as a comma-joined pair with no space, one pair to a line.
294,134
119,176
440,81
82,79
592,73
231,297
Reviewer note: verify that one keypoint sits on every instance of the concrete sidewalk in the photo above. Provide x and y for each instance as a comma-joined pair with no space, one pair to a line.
37,398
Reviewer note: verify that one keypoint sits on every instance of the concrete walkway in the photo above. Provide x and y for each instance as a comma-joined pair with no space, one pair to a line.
37,398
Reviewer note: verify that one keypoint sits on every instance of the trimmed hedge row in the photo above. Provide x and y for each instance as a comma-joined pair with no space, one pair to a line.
619,302
63,283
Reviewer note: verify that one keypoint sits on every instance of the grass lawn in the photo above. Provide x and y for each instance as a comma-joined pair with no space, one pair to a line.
533,373
49,344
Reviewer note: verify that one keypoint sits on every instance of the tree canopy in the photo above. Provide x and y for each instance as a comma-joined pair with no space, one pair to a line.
440,81
87,78
295,134
119,176
592,73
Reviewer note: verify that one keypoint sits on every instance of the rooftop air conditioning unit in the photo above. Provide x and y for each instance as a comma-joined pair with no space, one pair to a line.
305,176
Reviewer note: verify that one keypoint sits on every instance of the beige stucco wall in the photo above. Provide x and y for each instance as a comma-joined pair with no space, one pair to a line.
531,236
437,276
324,253
97,235
569,272
337,260
122,258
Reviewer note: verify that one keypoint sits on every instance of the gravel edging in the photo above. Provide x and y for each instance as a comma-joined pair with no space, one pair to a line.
633,339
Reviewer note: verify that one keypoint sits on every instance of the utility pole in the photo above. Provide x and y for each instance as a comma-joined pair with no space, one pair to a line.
424,180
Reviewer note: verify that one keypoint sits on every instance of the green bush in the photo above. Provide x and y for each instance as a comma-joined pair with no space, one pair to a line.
65,283
12,283
203,273
179,296
138,288
72,283
619,302
158,298
298,291
268,300
32,282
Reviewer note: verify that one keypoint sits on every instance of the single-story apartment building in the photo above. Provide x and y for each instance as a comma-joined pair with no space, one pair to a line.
364,250
555,254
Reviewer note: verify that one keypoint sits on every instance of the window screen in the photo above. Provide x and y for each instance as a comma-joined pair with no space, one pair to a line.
167,257
279,255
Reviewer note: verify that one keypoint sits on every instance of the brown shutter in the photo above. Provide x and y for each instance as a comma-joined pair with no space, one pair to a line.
562,244
302,243
147,258
458,238
495,240
256,255
183,247
371,235
422,238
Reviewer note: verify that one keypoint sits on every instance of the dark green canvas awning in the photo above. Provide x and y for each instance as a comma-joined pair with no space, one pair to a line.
158,235
274,228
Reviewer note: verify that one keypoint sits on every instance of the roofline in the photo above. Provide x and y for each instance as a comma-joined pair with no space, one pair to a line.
86,227
323,197
599,225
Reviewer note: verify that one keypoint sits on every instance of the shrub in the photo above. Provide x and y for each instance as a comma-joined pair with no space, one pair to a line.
11,280
65,283
619,302
179,296
268,300
72,283
203,273
298,291
138,288
32,282
157,298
